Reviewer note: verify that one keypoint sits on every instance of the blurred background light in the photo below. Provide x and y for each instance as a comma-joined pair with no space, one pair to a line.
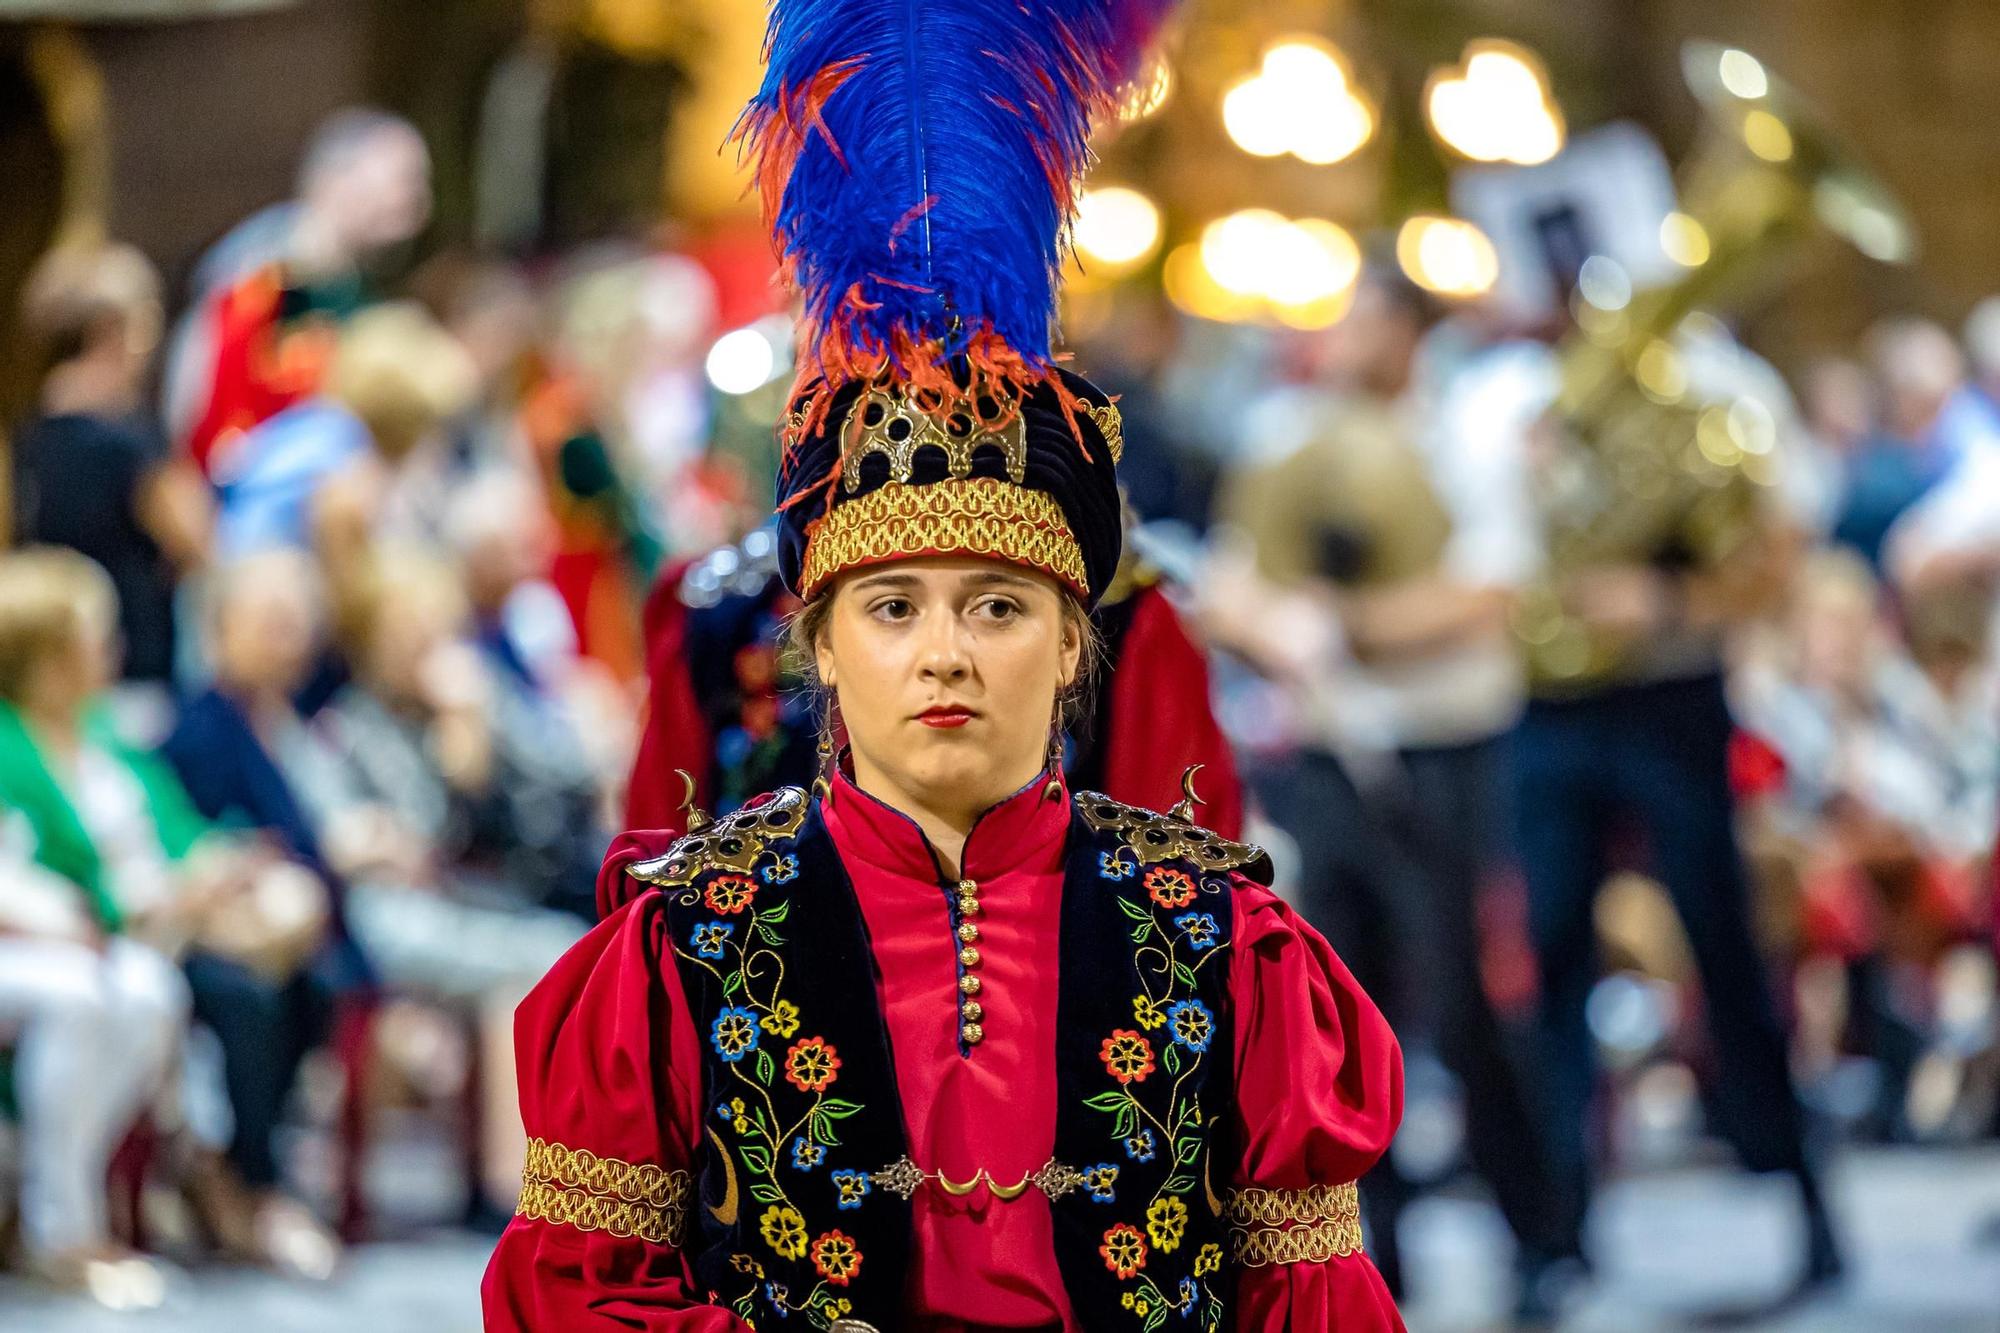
1116,227
1301,101
1448,256
1496,106
742,361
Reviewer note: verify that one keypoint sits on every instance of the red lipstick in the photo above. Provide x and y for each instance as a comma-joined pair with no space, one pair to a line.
946,715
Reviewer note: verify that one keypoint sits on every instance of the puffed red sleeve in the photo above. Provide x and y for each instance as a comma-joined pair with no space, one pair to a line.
1319,1094
610,1096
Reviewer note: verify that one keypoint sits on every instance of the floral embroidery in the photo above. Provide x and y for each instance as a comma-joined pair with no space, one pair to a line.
1127,1055
1147,1014
734,1034
1113,865
730,894
853,1187
781,871
1208,1259
782,1021
1137,1304
743,1263
806,1155
1193,1024
811,1064
737,1114
777,1293
1189,1294
1139,1147
784,1230
1166,1222
711,937
1200,929
1099,1180
835,1258
1124,1250
1167,886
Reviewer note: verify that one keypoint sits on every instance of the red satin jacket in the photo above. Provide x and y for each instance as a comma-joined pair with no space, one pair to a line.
610,1064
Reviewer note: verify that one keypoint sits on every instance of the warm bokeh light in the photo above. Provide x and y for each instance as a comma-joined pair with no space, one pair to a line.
1256,264
1116,227
1685,240
1767,136
1448,256
1301,101
1496,106
1149,92
1743,75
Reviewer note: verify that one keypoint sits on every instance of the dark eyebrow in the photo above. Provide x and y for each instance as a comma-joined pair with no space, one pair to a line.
991,576
887,580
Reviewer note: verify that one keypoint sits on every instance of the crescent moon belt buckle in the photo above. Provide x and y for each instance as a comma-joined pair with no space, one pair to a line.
853,1326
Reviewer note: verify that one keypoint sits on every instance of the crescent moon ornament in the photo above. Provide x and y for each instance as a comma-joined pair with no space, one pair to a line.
956,1190
1008,1193
695,819
725,1212
1184,808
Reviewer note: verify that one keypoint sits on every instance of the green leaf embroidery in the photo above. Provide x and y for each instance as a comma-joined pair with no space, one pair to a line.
767,935
1128,1122
1172,1059
763,1193
758,1159
1108,1101
1141,931
1186,1150
766,1067
1180,1184
1133,910
836,1109
1184,974
775,916
820,1128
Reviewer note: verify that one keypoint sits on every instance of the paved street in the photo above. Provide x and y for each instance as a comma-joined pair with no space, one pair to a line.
1925,1231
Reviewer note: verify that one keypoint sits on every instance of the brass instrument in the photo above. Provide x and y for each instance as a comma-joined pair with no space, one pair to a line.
1639,462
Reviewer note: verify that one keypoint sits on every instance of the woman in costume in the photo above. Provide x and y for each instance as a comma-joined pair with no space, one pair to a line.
940,1045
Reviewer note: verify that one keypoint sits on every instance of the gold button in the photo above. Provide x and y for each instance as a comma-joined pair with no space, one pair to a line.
967,887
973,1011
968,932
973,1034
968,907
969,985
969,956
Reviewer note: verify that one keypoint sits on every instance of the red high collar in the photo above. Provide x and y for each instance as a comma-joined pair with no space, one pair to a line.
1026,831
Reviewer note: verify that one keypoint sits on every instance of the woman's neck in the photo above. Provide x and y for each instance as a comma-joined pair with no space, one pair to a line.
57,726
946,824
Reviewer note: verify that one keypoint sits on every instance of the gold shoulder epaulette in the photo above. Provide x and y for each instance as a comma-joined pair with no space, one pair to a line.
1155,837
733,842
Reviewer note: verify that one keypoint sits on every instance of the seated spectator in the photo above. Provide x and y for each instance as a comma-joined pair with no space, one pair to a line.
89,472
98,849
229,749
441,829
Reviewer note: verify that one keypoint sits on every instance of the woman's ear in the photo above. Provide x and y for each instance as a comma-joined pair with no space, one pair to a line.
1072,649
823,655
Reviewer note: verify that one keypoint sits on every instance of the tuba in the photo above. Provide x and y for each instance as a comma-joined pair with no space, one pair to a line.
1638,465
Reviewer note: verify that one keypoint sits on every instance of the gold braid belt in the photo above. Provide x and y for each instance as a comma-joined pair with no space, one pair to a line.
1295,1226
575,1187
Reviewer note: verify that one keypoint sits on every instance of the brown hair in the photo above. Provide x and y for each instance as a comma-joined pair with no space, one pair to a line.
46,595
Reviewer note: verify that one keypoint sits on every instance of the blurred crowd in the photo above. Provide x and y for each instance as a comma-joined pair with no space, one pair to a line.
322,660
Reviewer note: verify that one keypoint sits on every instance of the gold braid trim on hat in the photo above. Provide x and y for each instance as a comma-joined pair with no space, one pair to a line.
976,516
1294,1226
575,1187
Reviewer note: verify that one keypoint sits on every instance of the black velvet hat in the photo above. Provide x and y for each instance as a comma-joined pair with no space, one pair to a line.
889,473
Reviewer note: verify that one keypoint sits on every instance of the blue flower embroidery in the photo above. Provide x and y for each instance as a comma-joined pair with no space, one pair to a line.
1099,1180
710,937
782,871
806,1156
734,1034
1193,1025
853,1187
1139,1147
1112,865
1199,928
1188,1293
777,1294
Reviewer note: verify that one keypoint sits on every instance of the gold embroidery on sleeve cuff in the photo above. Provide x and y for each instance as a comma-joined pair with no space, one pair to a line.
1309,1225
575,1187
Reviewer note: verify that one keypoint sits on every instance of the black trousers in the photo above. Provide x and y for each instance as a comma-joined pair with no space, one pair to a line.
1653,758
266,1028
1391,878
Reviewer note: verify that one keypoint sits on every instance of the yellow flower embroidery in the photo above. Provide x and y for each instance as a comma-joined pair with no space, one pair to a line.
782,1021
1208,1259
1166,1222
1147,1014
784,1231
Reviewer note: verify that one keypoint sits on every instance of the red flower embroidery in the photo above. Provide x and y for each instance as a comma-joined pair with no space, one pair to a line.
1124,1250
1128,1055
1169,887
836,1258
811,1064
730,894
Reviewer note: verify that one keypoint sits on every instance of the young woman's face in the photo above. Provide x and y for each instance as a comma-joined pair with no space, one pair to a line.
947,672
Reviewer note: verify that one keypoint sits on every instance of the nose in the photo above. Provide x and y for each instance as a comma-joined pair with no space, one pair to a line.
944,657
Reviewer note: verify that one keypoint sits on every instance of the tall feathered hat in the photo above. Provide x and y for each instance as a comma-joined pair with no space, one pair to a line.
918,162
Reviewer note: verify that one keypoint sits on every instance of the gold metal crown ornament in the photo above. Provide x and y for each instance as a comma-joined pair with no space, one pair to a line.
883,421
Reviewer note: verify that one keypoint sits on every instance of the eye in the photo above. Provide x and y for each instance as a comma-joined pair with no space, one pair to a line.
998,609
892,608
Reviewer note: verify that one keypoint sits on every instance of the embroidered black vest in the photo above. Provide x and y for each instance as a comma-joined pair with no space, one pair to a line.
805,1174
